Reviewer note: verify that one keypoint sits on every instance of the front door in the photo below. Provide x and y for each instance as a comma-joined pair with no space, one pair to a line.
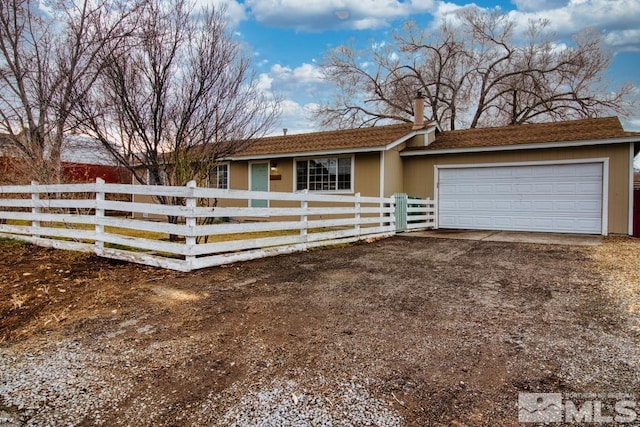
259,180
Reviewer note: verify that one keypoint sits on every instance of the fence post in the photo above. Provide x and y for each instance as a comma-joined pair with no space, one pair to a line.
304,218
392,213
401,212
358,213
434,222
99,214
190,220
35,210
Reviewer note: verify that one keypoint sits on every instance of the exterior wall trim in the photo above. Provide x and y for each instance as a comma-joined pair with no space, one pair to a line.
605,180
542,145
228,173
408,137
382,177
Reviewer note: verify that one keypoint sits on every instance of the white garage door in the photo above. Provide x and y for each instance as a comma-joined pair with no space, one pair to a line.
554,198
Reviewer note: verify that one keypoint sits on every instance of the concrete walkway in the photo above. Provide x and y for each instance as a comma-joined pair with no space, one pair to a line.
512,236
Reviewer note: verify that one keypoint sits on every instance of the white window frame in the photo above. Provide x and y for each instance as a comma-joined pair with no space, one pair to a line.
337,156
228,166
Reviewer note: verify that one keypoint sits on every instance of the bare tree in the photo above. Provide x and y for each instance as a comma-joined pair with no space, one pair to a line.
49,59
474,71
178,97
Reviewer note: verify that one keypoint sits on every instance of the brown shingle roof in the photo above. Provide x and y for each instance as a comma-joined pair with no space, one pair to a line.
369,137
379,136
574,130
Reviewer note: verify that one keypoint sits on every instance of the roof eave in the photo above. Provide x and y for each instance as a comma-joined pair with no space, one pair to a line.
532,146
305,153
373,149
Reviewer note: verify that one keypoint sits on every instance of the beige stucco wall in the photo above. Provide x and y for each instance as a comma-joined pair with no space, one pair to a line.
281,181
366,177
419,172
367,174
239,175
414,175
393,171
238,180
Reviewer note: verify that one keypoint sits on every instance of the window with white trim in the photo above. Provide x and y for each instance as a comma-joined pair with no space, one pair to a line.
324,174
219,176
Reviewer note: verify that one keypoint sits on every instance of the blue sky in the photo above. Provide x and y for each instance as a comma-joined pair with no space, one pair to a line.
288,38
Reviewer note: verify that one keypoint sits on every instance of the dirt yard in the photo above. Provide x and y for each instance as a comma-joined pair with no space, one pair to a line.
404,331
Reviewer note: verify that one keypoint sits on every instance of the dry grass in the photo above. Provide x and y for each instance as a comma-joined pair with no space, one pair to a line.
142,234
17,301
618,259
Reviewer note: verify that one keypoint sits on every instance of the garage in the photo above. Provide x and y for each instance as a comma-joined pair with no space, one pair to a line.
560,198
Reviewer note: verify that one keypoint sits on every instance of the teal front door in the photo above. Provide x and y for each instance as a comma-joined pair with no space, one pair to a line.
259,182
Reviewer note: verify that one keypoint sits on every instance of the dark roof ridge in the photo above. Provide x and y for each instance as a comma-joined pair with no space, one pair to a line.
326,131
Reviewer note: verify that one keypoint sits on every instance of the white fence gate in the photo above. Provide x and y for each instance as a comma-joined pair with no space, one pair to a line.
414,214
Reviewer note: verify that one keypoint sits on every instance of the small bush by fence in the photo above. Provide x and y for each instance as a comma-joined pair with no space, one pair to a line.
94,218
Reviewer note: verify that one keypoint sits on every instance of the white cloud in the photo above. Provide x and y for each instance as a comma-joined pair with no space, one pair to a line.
624,40
617,18
536,5
235,11
300,89
264,82
317,15
299,81
296,118
559,47
304,74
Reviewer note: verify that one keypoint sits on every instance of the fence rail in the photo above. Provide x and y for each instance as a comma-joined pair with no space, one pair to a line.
414,214
201,227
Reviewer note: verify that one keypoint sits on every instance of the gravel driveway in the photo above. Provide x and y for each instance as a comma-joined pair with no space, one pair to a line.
402,331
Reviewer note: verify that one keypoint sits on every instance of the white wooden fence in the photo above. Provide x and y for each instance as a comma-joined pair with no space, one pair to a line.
94,218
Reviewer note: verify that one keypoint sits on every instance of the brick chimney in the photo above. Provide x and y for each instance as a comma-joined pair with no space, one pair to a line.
418,111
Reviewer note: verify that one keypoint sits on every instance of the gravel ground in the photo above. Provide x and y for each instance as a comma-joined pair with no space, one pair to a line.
66,381
400,332
57,384
618,260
